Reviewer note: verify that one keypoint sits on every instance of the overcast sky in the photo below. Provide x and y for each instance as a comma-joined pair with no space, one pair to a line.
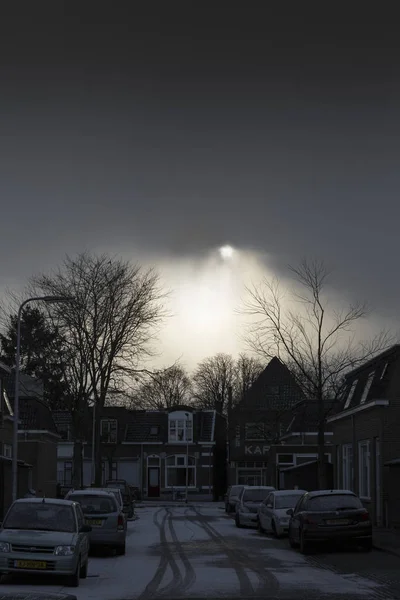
165,135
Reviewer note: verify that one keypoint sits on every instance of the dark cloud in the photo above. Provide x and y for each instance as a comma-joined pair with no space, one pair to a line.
173,132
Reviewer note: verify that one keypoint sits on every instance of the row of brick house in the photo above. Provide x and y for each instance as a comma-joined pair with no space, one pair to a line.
154,451
268,438
273,435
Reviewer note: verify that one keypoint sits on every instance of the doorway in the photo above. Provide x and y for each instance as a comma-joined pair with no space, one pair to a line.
153,482
153,476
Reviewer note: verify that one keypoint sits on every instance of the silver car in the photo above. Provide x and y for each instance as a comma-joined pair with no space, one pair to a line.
104,516
114,491
250,498
45,536
272,512
233,497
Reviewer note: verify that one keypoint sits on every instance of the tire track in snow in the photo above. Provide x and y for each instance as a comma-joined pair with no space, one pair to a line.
267,581
246,588
166,560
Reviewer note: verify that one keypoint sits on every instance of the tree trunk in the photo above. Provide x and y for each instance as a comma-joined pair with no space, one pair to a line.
322,474
98,474
77,465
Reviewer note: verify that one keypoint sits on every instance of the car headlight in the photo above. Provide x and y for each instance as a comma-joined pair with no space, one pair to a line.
64,550
4,547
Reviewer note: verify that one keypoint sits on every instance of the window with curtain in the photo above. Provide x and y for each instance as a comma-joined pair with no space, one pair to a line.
180,430
176,469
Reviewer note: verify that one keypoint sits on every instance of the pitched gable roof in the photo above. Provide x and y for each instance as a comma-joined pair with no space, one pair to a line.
372,380
274,388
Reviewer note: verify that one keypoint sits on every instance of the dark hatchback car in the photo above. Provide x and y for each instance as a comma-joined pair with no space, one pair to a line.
329,516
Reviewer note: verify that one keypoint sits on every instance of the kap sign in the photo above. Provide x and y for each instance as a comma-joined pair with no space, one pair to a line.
256,450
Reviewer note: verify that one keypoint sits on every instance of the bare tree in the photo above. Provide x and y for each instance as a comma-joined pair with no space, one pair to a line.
163,389
317,342
107,329
247,370
213,379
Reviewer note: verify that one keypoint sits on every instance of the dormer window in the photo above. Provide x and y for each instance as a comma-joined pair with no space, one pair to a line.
180,427
109,431
367,387
154,430
351,393
384,370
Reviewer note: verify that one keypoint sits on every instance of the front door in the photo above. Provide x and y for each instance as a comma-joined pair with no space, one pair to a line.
153,482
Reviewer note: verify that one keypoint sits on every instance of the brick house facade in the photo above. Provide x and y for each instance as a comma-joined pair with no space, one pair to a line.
37,434
366,436
154,451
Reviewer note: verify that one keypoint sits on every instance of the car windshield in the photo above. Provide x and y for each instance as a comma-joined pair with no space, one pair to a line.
333,502
255,495
288,501
41,516
95,505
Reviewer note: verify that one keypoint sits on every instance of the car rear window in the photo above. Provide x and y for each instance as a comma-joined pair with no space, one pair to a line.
288,501
95,505
333,502
235,490
257,495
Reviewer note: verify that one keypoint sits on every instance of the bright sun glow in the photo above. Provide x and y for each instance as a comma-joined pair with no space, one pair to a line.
226,252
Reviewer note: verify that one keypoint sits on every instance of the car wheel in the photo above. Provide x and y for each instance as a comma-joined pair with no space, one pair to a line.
274,530
73,580
121,550
304,545
292,543
237,521
84,570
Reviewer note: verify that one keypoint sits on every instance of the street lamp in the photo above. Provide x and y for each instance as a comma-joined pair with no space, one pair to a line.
187,454
50,300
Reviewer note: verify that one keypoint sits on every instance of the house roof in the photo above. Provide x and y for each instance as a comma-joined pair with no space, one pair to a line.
370,381
34,412
143,423
305,417
274,388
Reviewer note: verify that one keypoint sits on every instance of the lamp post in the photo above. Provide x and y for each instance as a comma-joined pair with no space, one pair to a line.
187,455
50,300
93,442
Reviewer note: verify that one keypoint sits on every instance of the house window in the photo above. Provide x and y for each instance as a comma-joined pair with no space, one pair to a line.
7,451
254,432
384,370
180,430
154,430
285,459
367,387
65,431
351,393
347,466
177,469
64,476
109,431
364,470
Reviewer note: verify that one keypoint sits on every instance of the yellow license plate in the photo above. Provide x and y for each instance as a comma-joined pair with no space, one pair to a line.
94,522
30,564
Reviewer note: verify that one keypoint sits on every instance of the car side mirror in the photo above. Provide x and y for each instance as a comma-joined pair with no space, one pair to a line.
85,529
290,512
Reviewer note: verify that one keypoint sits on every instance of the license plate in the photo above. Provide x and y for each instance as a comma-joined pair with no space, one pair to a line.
94,522
30,564
338,522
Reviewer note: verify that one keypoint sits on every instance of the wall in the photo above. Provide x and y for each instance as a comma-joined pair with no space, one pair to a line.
305,477
42,455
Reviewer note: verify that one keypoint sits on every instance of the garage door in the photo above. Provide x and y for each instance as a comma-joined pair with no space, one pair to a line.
130,471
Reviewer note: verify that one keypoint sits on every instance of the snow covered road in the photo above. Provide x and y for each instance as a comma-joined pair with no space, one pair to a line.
197,552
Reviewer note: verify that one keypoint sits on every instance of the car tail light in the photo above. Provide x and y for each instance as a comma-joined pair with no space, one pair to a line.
365,516
120,523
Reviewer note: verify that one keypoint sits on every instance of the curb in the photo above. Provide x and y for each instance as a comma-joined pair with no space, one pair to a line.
385,549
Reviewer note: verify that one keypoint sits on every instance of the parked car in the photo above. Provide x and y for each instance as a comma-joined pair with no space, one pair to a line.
45,536
329,515
114,491
108,523
232,498
226,496
248,502
272,512
129,503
